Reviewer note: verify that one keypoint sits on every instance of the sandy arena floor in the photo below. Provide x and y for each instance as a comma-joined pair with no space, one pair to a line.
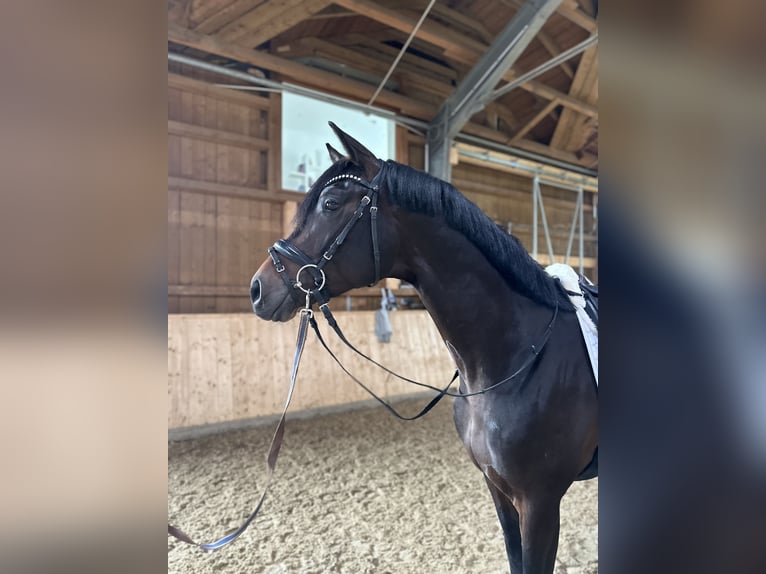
357,492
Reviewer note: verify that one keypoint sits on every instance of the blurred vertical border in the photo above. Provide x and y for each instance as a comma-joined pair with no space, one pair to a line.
683,395
83,444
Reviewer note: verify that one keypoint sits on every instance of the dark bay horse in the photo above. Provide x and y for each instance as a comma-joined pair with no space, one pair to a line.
531,438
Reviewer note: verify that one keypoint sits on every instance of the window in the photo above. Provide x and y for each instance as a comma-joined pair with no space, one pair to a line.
305,131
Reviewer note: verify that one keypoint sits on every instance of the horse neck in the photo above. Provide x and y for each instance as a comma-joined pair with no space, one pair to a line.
485,323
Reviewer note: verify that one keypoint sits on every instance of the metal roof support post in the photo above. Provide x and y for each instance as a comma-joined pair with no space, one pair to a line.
572,228
438,145
545,224
476,87
542,68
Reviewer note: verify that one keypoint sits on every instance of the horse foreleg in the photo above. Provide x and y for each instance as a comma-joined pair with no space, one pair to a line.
539,520
509,520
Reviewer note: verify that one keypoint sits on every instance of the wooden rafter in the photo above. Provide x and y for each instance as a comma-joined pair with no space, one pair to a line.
373,43
566,100
553,48
569,10
542,149
361,61
533,121
547,173
269,20
330,15
440,11
218,19
550,45
375,64
304,74
179,11
569,134
505,114
452,15
454,44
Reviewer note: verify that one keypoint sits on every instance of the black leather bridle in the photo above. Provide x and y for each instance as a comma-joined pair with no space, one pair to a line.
291,252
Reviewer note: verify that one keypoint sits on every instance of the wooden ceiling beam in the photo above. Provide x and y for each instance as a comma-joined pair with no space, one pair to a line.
363,62
454,44
570,11
507,163
504,114
226,15
453,15
298,72
330,15
373,43
564,99
179,11
550,45
526,144
269,27
569,133
542,149
375,64
553,48
237,30
448,15
533,121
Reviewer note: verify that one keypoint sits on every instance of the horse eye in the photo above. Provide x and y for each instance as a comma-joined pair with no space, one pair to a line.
330,204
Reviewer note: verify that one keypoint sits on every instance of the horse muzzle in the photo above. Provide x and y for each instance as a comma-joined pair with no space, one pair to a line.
270,298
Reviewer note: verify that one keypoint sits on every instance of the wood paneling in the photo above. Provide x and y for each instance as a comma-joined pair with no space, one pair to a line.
224,205
225,367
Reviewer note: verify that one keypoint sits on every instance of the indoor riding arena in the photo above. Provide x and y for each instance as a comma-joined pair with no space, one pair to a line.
498,98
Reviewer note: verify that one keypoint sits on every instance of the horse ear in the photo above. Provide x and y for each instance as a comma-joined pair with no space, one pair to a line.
357,153
335,155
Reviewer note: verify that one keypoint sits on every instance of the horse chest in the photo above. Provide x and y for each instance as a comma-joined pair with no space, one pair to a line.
480,432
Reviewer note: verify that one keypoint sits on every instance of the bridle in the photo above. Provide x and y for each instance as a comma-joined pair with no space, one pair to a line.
318,292
290,251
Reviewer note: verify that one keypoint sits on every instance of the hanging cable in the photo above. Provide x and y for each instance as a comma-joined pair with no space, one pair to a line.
401,52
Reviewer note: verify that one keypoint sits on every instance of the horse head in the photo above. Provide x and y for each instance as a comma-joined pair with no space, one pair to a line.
342,238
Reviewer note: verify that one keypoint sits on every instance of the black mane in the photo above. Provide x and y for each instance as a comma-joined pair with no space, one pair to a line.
419,192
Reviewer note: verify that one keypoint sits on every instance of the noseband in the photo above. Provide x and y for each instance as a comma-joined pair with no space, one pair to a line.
291,252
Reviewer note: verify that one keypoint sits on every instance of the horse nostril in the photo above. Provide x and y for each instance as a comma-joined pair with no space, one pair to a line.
255,291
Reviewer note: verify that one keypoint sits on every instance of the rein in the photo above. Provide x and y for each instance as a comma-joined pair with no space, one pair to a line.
276,446
319,293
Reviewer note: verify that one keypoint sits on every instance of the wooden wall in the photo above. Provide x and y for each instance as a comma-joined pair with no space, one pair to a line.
224,208
226,367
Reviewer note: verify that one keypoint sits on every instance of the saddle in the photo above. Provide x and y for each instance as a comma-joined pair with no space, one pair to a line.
590,294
